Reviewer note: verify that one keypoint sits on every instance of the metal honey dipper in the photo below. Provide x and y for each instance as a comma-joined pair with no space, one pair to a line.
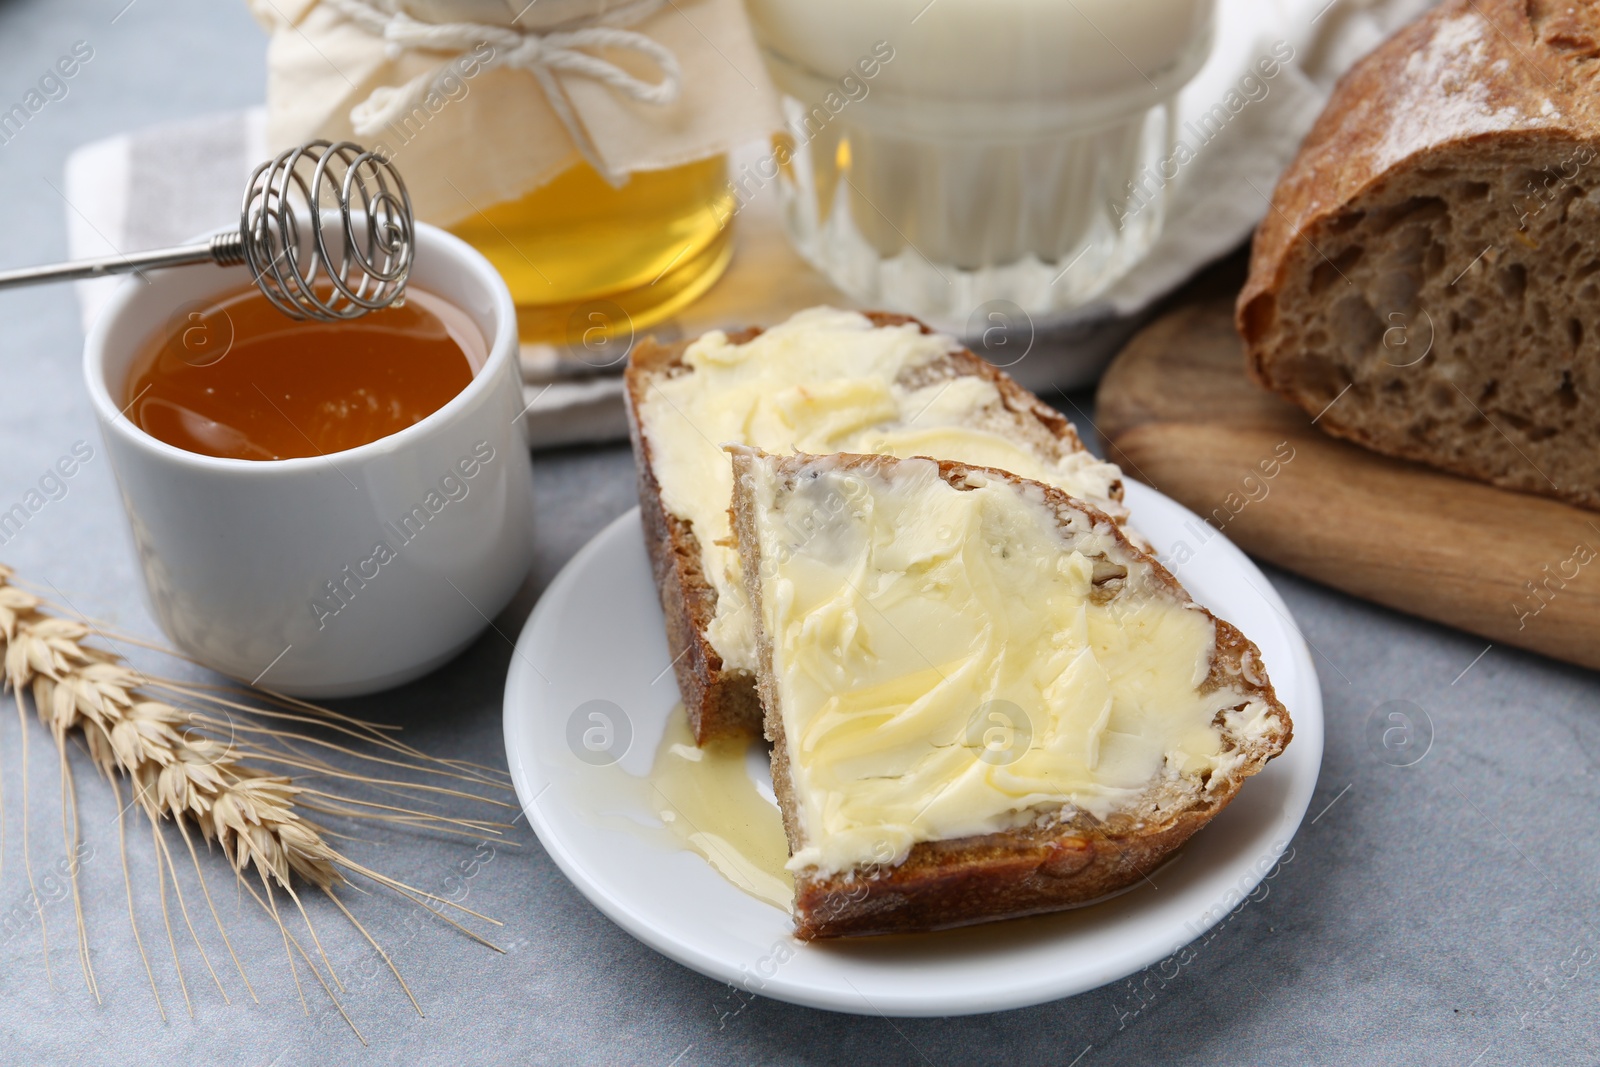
291,204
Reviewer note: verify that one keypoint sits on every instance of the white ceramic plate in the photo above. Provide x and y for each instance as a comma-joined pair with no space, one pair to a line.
596,635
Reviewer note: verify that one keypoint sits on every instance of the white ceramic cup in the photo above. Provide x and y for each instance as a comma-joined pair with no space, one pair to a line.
272,571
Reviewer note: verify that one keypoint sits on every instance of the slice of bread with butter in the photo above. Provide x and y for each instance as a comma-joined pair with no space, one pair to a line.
985,701
825,381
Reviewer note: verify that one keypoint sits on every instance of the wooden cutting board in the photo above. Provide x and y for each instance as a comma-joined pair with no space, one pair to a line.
1179,414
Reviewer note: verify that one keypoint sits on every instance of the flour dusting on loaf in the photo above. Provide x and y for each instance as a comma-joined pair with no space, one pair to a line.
1446,93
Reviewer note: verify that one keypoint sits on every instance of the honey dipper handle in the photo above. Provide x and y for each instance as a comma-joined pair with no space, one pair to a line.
225,249
325,229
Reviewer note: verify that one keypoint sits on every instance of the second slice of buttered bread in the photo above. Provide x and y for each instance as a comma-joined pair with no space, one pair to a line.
911,392
985,702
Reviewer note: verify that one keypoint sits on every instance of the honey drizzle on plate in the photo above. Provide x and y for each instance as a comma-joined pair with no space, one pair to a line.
706,802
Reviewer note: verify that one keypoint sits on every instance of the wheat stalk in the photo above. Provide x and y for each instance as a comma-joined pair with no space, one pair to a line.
167,739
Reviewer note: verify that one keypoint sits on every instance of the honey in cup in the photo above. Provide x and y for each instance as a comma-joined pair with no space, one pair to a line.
236,378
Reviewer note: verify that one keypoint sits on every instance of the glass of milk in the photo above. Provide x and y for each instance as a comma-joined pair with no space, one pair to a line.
945,156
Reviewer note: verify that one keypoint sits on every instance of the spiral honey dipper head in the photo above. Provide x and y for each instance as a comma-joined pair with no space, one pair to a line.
327,231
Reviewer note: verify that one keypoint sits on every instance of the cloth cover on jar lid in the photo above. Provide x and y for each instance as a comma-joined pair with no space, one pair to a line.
521,90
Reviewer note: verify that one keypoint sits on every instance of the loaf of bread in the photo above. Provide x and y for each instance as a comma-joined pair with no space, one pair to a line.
1427,280
984,701
825,381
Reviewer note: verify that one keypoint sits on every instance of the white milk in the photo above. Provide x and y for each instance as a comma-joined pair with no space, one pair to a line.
958,154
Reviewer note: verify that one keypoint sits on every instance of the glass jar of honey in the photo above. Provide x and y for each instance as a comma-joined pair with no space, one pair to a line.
648,248
580,145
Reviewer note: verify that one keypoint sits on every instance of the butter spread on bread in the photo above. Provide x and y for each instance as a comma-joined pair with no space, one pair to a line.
824,381
955,656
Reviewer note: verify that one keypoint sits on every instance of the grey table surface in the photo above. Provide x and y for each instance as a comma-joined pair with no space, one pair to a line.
1439,913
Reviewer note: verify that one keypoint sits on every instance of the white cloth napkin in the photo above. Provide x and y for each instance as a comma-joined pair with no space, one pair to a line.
161,185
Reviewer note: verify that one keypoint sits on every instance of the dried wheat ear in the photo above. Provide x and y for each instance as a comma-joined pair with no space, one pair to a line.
197,756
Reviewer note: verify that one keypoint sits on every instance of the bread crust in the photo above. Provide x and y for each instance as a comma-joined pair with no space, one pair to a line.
722,702
1036,869
1519,94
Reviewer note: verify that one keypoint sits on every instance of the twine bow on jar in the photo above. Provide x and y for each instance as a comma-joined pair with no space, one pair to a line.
543,54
